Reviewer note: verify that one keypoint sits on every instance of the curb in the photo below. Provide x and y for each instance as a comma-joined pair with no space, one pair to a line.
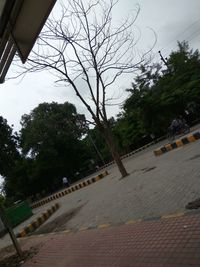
38,221
129,222
134,221
177,143
70,190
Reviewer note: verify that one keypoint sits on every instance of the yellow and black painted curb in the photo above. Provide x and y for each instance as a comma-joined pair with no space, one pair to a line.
177,143
38,221
70,190
129,222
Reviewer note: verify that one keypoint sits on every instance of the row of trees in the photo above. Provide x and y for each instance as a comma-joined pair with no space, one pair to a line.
53,143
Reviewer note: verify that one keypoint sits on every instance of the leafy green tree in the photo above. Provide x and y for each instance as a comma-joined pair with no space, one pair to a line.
51,140
2,199
9,158
182,82
159,94
8,148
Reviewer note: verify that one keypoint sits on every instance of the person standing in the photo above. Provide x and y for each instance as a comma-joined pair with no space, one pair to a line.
65,182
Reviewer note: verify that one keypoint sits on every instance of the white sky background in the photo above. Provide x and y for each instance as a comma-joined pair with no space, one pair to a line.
172,20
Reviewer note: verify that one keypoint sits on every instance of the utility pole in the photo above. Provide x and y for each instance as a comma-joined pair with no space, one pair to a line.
98,152
10,231
84,124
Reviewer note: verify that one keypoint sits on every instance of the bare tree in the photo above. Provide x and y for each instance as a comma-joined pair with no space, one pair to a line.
85,44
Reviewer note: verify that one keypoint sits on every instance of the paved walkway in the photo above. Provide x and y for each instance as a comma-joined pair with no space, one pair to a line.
168,242
156,186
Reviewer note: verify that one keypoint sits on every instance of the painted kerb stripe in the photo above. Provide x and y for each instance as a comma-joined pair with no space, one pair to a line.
133,221
177,143
70,189
38,221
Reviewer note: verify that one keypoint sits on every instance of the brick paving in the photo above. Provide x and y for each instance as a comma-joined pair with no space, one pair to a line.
156,186
159,243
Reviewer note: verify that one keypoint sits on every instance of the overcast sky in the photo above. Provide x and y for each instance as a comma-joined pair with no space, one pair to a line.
172,20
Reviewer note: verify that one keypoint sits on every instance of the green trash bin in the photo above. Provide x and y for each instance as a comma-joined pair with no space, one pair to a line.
18,213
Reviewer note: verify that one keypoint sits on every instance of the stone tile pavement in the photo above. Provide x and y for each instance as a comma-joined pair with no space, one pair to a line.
157,243
156,186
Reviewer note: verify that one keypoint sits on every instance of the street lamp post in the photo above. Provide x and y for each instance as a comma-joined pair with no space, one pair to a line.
95,147
85,125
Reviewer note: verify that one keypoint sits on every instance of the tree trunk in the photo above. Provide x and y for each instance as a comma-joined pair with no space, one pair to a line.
112,147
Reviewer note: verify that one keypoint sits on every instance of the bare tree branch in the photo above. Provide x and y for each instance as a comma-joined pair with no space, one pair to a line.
80,45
